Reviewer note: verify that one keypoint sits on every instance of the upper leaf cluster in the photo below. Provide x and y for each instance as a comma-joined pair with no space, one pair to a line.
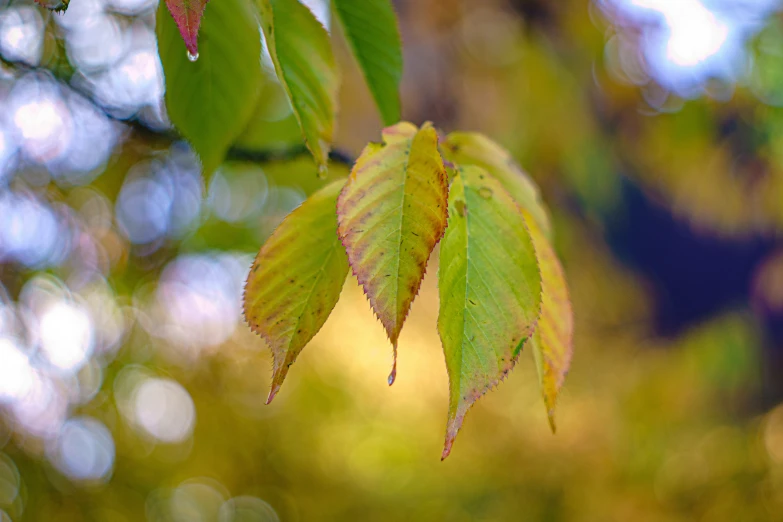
214,71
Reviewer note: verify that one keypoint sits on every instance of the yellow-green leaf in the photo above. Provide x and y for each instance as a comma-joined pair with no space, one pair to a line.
391,214
401,131
296,280
552,340
302,54
471,148
490,290
371,29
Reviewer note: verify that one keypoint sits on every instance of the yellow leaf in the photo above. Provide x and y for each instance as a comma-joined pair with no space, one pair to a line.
296,280
553,339
391,214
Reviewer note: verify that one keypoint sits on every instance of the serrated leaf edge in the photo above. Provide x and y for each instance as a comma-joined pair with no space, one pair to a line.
454,425
389,139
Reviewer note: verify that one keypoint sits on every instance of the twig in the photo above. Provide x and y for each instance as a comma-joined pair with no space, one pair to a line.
283,154
262,155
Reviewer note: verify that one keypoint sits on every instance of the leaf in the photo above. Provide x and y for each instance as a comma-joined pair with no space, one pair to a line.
471,148
187,16
302,54
58,6
296,280
552,340
211,99
490,290
401,131
391,214
371,29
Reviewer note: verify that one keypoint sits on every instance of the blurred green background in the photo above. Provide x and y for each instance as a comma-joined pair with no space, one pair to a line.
131,390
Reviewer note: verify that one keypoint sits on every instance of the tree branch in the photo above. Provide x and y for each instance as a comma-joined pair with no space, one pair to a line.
284,154
260,155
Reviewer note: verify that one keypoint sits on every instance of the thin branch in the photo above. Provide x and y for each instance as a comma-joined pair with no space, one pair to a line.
261,155
284,154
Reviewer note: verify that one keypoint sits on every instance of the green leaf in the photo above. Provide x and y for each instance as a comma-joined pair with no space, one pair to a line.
302,54
210,100
391,214
471,148
490,290
552,341
371,29
187,15
296,280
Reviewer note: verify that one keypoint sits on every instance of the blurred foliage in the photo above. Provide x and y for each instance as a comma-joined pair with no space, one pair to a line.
131,391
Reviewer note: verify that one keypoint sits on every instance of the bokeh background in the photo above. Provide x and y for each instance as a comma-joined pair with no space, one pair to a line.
131,390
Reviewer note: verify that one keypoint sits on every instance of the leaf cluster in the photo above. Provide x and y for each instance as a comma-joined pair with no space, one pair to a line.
212,59
501,285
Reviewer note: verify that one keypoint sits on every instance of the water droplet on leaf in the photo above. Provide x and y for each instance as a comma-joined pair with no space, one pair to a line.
192,57
322,172
485,192
393,374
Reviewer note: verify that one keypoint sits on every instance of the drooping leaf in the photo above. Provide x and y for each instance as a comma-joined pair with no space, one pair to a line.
471,148
391,214
296,279
210,100
371,29
552,341
490,290
302,54
187,15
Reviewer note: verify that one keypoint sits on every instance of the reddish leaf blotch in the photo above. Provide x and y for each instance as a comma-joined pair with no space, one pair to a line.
187,15
58,6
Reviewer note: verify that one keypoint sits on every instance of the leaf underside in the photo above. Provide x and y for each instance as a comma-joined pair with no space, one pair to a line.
208,100
490,290
296,280
302,54
552,341
187,15
471,148
371,29
391,214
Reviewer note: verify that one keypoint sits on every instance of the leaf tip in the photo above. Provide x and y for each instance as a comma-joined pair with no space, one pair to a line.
453,427
393,374
552,426
191,44
450,436
188,20
279,373
273,392
446,450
